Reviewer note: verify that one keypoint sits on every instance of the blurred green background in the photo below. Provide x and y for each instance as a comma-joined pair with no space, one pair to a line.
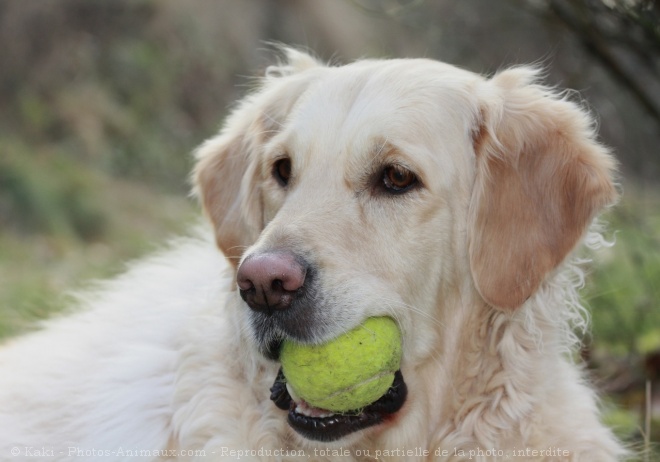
102,102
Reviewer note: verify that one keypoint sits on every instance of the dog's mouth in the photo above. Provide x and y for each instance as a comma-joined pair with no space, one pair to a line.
322,425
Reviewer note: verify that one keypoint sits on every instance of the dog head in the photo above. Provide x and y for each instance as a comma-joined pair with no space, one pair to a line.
401,188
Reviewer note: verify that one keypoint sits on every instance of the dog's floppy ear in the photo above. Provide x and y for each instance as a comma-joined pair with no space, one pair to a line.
227,171
226,184
540,180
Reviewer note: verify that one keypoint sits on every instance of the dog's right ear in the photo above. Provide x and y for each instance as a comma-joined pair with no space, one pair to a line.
227,172
541,178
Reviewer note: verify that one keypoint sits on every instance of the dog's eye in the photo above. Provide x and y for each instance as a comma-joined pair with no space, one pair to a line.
398,179
282,171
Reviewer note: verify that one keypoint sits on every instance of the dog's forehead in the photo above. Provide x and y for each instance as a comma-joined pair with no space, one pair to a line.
351,110
381,94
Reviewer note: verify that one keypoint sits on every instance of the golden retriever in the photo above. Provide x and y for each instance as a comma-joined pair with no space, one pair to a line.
406,188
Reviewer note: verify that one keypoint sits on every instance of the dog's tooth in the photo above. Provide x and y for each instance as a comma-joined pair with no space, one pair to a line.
303,408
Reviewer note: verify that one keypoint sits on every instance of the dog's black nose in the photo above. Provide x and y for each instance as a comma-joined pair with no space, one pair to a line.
268,281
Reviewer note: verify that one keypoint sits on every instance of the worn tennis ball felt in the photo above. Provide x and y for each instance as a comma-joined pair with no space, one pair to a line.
347,373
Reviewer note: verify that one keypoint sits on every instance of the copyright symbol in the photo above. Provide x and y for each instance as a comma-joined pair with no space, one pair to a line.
15,452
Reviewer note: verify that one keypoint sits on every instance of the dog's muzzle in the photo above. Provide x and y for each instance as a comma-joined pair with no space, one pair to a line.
282,292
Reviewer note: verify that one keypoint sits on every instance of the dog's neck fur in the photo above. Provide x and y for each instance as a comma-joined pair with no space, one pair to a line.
493,390
509,364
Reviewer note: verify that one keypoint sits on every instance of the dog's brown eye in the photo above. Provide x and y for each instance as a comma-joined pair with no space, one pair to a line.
398,179
282,171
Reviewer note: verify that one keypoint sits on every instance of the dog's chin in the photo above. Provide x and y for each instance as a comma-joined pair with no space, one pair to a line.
322,425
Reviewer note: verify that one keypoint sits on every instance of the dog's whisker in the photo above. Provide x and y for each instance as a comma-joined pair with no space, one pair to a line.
394,304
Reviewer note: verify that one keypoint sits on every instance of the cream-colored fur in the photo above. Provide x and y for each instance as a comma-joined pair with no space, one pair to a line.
474,263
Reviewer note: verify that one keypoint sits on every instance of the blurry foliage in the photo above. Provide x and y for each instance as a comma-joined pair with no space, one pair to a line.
625,286
47,195
112,84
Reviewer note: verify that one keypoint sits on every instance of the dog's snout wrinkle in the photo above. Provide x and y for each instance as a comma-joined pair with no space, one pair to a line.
268,281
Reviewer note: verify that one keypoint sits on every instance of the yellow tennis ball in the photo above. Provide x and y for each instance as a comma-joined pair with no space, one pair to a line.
347,373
